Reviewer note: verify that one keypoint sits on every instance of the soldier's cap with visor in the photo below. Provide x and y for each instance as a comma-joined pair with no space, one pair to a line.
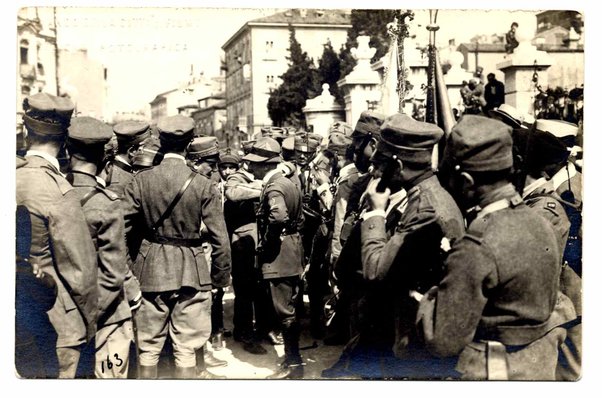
368,124
564,131
203,148
508,114
47,115
273,132
246,146
176,129
264,150
288,148
131,132
88,136
307,142
478,143
229,156
338,143
408,139
536,150
149,154
341,128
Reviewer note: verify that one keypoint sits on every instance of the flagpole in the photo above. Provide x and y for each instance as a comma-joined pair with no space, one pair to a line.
402,33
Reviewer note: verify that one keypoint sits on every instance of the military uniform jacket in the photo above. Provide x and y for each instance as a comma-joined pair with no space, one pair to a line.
502,285
162,267
61,245
240,206
430,215
545,201
280,218
121,175
344,183
106,225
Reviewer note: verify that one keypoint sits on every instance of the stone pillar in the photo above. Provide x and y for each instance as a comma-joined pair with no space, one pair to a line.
518,70
322,111
361,86
454,78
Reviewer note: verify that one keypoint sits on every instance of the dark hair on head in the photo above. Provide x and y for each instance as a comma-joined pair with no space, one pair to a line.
490,75
514,24
34,138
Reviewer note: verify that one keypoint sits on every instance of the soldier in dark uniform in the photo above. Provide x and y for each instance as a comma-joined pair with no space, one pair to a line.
281,251
60,242
406,258
242,192
498,307
87,137
167,204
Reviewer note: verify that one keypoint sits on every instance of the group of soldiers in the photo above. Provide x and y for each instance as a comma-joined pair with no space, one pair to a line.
464,265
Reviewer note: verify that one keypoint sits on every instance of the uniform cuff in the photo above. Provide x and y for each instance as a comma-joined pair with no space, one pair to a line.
373,213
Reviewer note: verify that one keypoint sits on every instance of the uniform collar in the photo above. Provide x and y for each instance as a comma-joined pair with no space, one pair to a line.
498,199
563,175
425,184
81,179
123,159
49,158
175,156
533,186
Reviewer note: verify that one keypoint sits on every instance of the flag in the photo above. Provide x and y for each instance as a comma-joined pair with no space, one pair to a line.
389,101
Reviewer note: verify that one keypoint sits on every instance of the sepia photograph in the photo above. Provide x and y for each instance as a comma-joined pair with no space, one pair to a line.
343,194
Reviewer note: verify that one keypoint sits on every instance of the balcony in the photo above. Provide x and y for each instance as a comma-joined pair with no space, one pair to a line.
27,71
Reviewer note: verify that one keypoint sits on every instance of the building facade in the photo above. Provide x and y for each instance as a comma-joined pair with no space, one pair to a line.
36,40
256,56
210,118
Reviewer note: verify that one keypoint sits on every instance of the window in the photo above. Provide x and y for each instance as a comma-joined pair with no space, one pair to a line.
40,69
24,52
25,90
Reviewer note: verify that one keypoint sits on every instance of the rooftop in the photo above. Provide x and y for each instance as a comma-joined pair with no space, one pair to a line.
299,17
500,47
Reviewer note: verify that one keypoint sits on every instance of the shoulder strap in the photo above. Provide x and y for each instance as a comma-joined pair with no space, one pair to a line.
88,196
174,202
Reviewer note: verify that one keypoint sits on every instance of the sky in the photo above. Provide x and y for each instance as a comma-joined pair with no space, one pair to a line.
151,50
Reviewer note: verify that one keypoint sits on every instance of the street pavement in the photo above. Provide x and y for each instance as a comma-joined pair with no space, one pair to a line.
244,365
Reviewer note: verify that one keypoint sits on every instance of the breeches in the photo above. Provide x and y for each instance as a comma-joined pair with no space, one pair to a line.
284,296
185,314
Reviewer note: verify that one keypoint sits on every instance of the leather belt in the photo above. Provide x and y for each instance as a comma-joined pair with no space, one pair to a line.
164,240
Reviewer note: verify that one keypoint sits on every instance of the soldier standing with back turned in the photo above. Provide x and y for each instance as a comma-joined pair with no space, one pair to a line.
166,205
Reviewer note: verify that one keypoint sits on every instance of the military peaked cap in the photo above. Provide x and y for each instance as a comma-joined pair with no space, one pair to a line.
408,139
89,131
338,142
341,128
203,147
478,143
508,114
176,128
229,156
131,131
368,124
265,149
47,114
307,142
538,149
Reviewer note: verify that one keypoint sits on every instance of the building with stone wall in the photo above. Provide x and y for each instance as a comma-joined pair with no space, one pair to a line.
256,55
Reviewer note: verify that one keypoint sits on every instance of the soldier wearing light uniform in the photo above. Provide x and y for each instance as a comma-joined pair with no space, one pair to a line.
87,137
166,204
60,245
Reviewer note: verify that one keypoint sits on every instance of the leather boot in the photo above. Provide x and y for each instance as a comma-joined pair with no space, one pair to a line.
212,362
185,373
292,367
201,368
147,372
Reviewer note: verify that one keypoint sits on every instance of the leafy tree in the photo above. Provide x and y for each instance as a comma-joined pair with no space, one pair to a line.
299,82
371,23
329,71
